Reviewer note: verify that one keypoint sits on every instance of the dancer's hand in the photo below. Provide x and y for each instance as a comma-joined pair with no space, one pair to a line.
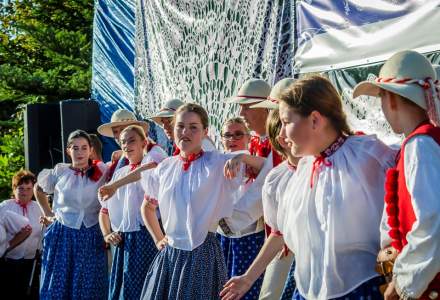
236,287
232,166
116,155
47,220
162,243
113,238
390,292
106,192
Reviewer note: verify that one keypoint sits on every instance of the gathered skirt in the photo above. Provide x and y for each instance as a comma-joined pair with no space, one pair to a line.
185,275
369,290
131,261
74,264
239,254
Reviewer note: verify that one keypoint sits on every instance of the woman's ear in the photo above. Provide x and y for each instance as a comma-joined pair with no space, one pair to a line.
68,152
315,119
205,131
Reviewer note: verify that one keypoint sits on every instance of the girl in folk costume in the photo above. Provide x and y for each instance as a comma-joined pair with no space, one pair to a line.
240,248
121,222
19,261
331,208
272,256
74,261
193,195
409,92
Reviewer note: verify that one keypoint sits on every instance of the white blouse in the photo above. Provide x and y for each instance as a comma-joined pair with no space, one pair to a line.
333,226
191,202
75,199
418,263
273,189
10,224
124,206
28,248
248,208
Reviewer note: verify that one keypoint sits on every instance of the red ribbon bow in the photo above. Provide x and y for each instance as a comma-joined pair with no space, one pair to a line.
176,150
188,160
23,206
134,166
320,160
259,147
95,173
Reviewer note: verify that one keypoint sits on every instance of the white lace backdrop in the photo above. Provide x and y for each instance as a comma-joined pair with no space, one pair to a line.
203,50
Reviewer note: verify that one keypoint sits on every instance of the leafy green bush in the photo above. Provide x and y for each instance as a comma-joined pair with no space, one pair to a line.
11,158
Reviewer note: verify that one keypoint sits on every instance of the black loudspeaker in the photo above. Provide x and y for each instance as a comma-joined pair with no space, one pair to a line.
47,127
78,114
42,138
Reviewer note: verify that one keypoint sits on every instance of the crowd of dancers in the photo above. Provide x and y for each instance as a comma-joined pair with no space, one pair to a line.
297,205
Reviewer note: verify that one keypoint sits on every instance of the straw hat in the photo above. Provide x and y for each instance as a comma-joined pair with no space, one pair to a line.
407,73
167,110
252,91
119,118
275,94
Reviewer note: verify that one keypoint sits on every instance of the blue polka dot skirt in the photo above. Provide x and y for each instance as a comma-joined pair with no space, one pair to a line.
187,275
367,291
131,261
74,264
239,254
290,285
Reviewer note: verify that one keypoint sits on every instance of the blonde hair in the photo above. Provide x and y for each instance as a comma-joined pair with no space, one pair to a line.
316,93
137,129
235,120
194,108
273,128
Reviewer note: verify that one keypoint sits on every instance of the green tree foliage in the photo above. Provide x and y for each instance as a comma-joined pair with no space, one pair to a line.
45,56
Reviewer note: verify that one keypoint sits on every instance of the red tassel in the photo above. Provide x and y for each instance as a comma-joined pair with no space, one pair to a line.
96,175
394,234
393,221
391,209
397,245
390,197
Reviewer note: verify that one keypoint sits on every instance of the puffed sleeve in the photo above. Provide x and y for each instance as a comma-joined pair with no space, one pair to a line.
270,203
13,222
47,178
156,154
150,184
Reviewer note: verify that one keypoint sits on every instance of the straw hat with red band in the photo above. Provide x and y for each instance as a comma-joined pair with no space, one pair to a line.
252,91
410,75
121,117
272,100
167,110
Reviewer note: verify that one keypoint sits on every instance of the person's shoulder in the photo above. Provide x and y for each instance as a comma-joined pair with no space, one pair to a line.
6,203
421,146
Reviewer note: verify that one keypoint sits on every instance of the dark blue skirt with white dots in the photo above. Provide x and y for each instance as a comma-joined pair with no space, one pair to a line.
131,262
369,290
181,274
74,264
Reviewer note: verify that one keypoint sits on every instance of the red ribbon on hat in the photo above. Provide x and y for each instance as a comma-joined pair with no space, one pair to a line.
431,90
273,100
251,97
188,160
